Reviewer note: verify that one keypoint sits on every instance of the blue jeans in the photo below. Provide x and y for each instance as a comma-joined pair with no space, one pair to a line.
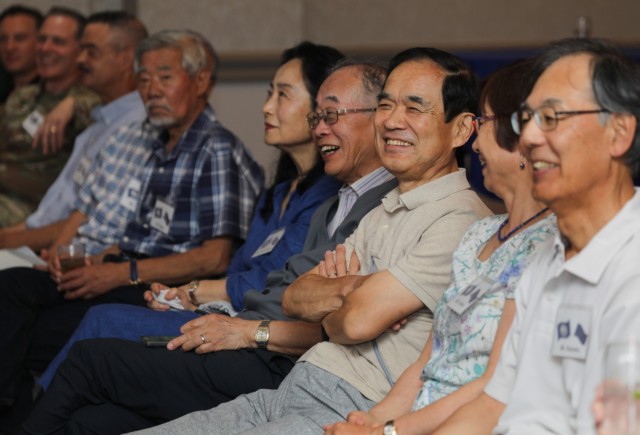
127,322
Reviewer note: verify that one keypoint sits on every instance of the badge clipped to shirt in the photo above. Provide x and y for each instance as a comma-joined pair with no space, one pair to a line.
269,243
571,332
471,293
81,171
32,122
130,198
162,216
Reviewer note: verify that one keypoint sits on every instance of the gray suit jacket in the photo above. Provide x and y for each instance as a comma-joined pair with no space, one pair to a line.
267,304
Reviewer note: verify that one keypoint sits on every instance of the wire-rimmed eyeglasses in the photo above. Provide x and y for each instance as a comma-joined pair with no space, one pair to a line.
546,117
330,115
479,120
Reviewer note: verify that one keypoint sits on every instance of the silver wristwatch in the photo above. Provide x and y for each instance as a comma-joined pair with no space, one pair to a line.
389,428
262,334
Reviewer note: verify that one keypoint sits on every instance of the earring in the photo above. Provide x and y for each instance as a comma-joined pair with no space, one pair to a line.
521,162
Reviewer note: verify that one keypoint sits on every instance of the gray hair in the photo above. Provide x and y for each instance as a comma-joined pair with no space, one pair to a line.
372,76
615,81
197,53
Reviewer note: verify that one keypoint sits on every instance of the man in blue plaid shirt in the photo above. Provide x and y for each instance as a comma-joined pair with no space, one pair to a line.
196,186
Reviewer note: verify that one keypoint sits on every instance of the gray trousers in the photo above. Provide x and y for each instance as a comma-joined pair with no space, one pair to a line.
307,399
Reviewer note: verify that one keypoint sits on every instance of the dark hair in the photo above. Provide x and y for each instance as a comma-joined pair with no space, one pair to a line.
615,80
317,62
504,90
15,10
131,27
460,86
69,13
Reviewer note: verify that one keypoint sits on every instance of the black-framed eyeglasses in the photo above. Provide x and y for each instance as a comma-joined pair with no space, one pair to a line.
330,115
480,120
546,117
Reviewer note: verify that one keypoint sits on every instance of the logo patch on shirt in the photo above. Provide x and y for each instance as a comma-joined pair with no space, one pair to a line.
571,337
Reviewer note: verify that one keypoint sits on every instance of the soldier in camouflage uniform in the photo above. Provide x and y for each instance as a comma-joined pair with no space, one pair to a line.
26,173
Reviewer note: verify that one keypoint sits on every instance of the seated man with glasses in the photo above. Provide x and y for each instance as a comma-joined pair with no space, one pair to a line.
581,293
400,257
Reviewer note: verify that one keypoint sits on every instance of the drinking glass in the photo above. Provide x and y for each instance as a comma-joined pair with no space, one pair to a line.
70,256
621,389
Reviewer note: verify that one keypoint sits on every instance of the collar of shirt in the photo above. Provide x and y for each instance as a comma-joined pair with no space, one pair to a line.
120,106
191,139
591,263
369,181
428,192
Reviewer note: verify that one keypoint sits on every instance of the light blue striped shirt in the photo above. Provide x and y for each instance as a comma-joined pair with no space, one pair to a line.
349,193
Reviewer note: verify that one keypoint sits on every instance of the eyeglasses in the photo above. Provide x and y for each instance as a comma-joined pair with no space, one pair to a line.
479,120
546,117
330,115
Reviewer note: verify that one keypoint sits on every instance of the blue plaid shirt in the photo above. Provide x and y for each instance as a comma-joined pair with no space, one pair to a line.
123,159
205,188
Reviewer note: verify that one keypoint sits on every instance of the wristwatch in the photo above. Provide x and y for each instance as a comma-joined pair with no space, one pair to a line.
262,334
133,272
389,428
191,292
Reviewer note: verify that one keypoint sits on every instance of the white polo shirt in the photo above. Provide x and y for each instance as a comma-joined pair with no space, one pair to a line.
567,311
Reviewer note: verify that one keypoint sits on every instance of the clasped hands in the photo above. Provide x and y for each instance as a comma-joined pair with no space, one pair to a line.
91,280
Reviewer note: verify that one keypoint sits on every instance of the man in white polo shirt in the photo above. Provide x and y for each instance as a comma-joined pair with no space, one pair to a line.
579,130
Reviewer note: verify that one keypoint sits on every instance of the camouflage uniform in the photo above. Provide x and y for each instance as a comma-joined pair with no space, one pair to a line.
25,173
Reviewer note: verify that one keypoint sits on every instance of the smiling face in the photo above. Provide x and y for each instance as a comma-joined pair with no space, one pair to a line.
412,138
58,48
18,39
498,164
286,108
346,146
172,97
572,159
100,63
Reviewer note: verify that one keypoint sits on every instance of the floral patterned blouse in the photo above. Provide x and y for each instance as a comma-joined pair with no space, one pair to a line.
467,317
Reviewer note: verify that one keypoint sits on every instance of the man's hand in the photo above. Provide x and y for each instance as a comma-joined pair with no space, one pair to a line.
215,332
174,292
50,134
93,280
344,428
335,264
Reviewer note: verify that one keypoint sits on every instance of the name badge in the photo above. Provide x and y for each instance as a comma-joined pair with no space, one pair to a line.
162,216
81,171
471,293
269,243
32,122
571,334
130,198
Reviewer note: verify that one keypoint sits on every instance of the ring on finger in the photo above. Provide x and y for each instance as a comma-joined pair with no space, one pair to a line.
53,129
202,338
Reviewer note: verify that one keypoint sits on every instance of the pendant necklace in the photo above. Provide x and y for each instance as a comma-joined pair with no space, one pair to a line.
502,238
